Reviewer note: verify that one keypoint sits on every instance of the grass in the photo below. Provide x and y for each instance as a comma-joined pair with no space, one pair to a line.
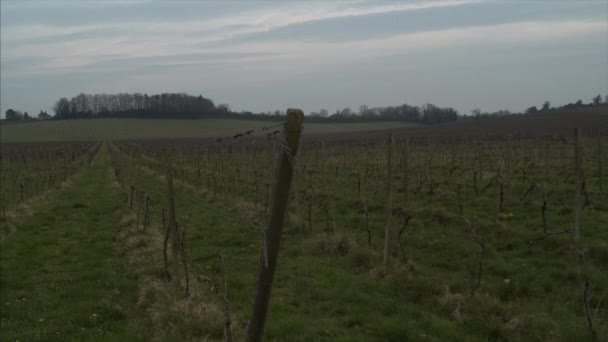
113,129
333,287
60,273
83,256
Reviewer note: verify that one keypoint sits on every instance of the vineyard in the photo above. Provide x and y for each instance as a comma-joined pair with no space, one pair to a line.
29,170
387,236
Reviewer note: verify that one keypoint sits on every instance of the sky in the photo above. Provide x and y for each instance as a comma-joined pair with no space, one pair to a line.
263,56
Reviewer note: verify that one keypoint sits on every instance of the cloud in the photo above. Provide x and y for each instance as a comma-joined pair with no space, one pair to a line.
77,47
270,61
257,20
208,30
254,47
281,58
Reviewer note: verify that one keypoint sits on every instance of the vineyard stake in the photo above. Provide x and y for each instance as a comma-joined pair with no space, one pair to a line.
172,224
293,129
387,227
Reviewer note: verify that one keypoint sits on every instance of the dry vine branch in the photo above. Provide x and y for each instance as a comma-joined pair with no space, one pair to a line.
547,234
482,249
532,187
367,229
406,220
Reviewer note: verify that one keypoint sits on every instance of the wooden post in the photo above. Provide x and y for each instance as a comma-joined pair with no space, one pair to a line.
543,209
131,196
389,209
459,197
146,211
599,160
406,157
577,195
268,260
499,188
172,225
480,161
21,188
578,156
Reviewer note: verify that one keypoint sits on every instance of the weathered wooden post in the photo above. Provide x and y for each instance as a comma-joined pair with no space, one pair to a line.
146,211
580,252
131,196
21,189
172,224
577,195
543,209
599,161
499,189
389,209
405,172
269,257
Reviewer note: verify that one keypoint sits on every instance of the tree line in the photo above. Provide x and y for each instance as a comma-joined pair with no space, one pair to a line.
428,113
184,106
136,105
595,101
15,115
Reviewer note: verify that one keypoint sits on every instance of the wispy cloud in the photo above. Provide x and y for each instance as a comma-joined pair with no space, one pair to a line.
99,42
236,47
228,26
283,55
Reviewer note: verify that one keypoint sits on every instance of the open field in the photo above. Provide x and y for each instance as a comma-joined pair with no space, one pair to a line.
562,122
116,129
482,244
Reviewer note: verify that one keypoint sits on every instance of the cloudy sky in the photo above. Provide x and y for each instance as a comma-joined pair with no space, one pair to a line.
329,54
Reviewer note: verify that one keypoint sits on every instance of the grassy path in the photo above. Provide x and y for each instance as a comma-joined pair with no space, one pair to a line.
61,277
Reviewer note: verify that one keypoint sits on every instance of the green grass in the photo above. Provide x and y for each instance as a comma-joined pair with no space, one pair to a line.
333,287
61,277
69,260
113,129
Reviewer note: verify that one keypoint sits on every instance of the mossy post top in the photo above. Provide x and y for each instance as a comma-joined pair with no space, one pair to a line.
293,129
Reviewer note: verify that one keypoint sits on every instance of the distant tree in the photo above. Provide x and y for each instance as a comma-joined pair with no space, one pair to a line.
43,115
10,114
546,106
476,112
363,109
503,112
62,108
26,116
223,108
323,113
13,115
531,110
597,100
606,99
